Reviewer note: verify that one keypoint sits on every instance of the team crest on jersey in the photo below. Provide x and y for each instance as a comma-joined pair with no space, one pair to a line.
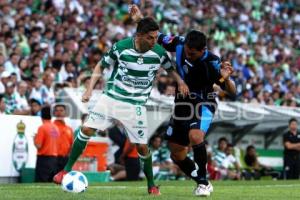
185,69
140,60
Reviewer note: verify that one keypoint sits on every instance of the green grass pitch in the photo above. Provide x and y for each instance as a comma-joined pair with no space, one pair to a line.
171,190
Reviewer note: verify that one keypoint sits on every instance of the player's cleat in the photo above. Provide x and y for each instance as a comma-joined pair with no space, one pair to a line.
202,190
154,190
59,176
210,187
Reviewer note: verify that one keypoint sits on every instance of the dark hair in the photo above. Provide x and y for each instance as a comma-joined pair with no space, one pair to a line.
196,40
146,25
46,113
60,105
31,101
292,120
222,139
249,148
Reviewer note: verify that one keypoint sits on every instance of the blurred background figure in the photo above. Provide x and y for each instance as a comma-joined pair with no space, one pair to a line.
130,159
47,143
65,135
230,168
255,169
291,158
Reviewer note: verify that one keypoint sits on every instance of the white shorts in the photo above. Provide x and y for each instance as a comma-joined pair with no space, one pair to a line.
133,118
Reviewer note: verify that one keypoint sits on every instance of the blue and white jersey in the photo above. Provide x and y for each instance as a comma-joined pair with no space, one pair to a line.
199,75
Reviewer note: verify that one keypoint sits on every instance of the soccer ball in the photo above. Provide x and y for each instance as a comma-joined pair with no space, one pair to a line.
74,182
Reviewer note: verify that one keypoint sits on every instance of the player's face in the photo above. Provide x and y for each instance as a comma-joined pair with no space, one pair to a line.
192,54
59,112
222,145
147,40
293,126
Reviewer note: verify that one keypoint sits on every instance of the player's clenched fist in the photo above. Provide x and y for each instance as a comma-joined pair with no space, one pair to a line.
135,13
226,69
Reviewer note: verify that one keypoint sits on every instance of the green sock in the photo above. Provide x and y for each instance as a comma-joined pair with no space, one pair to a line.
77,148
147,167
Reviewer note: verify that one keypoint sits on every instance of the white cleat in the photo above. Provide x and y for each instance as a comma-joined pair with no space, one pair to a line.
210,187
202,190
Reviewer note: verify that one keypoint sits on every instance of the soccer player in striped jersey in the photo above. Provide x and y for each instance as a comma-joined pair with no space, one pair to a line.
135,62
193,114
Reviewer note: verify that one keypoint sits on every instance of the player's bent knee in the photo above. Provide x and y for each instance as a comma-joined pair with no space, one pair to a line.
196,136
88,131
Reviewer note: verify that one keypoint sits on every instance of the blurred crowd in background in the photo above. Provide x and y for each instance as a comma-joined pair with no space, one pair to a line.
46,45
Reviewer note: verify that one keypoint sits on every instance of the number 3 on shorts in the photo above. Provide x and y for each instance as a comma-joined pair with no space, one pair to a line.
138,111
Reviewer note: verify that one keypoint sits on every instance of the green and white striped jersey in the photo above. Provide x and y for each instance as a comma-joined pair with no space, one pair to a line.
133,72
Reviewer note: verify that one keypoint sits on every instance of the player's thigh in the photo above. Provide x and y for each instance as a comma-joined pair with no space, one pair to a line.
204,114
135,123
99,116
178,152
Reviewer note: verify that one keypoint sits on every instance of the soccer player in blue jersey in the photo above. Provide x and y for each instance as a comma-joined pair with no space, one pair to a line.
200,69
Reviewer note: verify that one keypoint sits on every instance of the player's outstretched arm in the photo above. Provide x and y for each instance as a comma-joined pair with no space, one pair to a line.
226,71
97,73
182,86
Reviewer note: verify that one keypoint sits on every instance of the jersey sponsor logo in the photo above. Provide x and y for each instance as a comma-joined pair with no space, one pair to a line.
139,127
141,133
135,82
94,115
185,69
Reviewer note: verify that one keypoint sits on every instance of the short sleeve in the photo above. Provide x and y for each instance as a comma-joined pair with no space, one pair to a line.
285,138
38,139
166,62
169,42
110,57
